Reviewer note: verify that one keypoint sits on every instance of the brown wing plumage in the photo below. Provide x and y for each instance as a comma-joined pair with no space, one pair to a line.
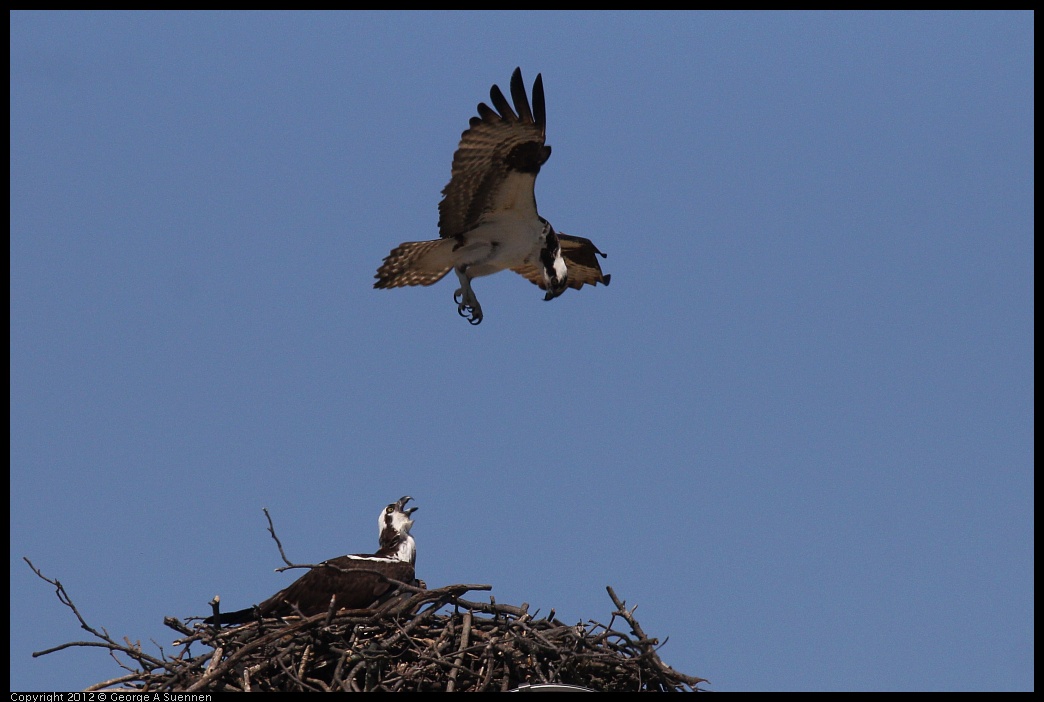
581,257
499,140
354,582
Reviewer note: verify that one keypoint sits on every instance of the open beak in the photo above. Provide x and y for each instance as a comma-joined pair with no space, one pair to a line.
401,504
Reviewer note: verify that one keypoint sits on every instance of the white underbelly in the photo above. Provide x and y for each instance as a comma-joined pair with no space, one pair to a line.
508,242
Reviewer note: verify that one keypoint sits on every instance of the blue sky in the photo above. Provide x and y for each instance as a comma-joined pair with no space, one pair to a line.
796,430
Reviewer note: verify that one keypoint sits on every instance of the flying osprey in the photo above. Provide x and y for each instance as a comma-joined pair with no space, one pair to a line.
488,219
357,581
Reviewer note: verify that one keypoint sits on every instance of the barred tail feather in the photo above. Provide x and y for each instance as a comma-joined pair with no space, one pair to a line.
416,263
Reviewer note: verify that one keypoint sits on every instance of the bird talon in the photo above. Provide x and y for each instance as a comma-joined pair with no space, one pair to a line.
467,305
473,315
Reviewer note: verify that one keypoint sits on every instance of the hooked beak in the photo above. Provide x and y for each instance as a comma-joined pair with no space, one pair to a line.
401,505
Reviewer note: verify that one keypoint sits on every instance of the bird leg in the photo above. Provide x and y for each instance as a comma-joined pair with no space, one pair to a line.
467,304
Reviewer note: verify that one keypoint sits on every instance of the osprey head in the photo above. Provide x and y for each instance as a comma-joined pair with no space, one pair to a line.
394,524
552,265
395,519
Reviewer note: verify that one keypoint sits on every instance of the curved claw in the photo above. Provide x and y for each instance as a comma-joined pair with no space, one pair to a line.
472,314
468,307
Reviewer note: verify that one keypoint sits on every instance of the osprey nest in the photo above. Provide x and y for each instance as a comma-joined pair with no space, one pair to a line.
417,640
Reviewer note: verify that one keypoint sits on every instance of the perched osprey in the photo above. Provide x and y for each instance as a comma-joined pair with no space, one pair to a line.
488,219
357,581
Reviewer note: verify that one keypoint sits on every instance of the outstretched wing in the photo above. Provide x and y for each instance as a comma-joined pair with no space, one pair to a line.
496,164
581,257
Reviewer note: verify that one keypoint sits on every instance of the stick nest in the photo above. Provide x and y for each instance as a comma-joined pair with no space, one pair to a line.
417,640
